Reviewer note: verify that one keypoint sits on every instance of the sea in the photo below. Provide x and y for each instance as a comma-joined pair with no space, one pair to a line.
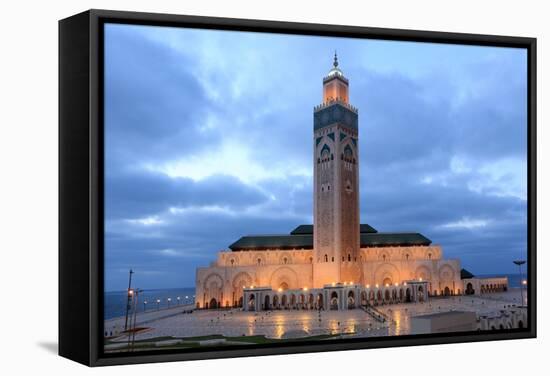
115,301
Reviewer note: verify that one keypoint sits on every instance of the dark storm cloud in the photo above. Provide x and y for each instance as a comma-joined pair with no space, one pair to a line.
208,138
140,194
154,106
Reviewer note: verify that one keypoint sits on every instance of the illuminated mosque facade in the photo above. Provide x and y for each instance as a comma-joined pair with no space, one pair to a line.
336,263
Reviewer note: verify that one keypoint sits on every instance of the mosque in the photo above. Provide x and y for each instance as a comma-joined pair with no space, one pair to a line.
336,263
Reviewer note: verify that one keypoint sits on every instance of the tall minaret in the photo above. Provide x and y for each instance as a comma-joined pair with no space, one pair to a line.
336,184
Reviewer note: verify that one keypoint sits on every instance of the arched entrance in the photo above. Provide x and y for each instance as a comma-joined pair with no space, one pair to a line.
251,303
351,300
387,281
310,301
213,303
266,302
447,291
283,286
363,298
420,294
408,295
470,289
276,302
334,301
284,301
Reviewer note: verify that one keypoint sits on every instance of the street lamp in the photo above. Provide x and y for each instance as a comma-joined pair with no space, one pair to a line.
178,300
169,300
144,305
158,304
519,263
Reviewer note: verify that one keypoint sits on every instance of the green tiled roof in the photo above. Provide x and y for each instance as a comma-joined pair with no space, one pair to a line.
464,274
273,242
305,240
381,239
308,229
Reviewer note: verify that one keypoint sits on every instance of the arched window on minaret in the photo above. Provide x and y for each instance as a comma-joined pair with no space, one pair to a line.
326,258
325,153
348,153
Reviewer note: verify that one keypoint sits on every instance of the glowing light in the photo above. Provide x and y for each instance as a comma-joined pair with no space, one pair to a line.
130,292
524,282
420,279
404,283
387,284
344,283
244,287
305,288
396,284
351,283
333,283
377,285
280,289
368,286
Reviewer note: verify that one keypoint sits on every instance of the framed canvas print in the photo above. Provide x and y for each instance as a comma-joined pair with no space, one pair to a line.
236,187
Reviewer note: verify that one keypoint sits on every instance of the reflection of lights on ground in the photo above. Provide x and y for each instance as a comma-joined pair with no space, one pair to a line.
397,318
275,324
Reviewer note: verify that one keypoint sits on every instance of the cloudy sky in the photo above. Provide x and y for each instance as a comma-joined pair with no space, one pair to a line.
208,137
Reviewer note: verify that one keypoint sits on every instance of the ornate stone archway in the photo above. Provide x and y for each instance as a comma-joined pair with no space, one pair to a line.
213,290
284,276
239,281
423,272
386,271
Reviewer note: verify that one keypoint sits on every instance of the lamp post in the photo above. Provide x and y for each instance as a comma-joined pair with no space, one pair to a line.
158,304
169,301
133,293
144,305
129,298
519,263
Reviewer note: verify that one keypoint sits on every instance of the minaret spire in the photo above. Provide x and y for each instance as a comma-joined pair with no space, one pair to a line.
335,59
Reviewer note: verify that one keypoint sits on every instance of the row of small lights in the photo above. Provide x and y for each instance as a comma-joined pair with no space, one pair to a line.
377,285
131,292
351,284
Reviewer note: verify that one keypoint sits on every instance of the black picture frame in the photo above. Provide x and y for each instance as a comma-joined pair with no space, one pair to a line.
81,184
